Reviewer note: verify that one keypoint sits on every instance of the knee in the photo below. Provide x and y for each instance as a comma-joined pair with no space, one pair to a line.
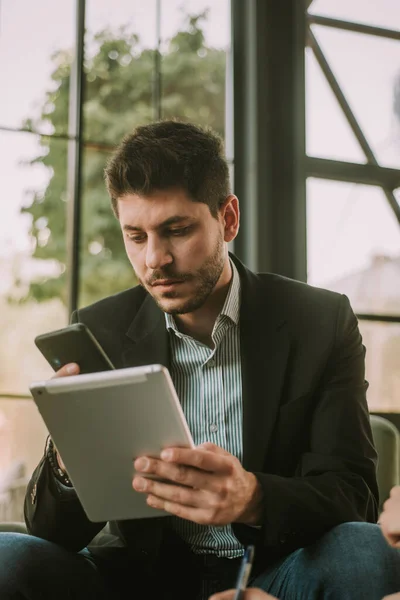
349,540
20,560
352,551
13,546
16,551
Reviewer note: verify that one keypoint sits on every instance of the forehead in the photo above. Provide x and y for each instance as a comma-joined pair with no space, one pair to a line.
148,212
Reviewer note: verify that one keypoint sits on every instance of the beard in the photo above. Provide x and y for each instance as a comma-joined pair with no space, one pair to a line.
203,282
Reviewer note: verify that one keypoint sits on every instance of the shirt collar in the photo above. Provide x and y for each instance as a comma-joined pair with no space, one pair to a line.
231,307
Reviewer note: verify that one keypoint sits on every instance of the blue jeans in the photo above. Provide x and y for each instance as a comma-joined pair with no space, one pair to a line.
351,562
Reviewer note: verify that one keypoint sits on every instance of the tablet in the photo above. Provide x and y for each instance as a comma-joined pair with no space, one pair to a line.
100,422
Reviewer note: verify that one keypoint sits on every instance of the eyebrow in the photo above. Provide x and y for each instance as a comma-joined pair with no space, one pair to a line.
171,221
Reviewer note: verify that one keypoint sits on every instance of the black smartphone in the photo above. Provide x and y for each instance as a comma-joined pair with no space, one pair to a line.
75,343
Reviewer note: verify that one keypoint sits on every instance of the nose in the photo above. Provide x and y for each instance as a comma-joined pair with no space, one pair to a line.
157,254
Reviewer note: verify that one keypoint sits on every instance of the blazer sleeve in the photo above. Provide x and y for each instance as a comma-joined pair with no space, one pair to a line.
53,511
335,481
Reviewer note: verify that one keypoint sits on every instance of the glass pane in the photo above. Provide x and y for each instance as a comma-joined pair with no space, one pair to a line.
105,268
195,38
397,195
328,133
33,57
32,253
353,242
382,341
367,70
119,67
22,439
380,13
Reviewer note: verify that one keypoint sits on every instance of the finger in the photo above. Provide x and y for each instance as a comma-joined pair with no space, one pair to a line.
391,539
60,461
200,459
189,513
169,492
178,473
395,492
394,540
393,527
67,370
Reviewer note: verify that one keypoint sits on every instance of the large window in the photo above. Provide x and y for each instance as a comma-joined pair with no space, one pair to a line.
165,59
33,168
79,75
353,144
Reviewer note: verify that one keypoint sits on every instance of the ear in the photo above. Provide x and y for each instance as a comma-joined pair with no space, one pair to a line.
230,216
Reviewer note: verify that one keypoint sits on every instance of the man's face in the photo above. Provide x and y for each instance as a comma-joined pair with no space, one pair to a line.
175,246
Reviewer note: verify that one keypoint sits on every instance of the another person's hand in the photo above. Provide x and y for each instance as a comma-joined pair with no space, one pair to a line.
249,594
210,486
390,518
65,371
392,597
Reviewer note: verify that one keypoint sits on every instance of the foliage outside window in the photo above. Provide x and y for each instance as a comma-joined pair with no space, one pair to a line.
118,97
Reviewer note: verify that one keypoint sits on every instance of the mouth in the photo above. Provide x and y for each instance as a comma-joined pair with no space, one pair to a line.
167,284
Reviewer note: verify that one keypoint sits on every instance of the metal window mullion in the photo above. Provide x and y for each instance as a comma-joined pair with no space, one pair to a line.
366,174
74,168
269,132
5,396
344,105
378,318
391,34
335,87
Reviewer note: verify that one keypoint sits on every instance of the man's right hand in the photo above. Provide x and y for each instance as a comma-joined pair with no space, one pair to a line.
65,371
249,594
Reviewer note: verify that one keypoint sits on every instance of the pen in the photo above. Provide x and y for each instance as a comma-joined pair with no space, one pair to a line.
244,572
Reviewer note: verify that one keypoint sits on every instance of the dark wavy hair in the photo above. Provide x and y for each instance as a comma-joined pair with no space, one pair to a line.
170,154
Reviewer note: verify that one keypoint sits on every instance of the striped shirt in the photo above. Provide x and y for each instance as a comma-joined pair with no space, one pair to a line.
209,386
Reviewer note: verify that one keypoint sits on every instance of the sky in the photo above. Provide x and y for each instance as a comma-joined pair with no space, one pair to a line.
347,224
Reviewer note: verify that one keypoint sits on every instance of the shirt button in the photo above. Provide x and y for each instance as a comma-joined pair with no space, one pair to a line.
211,362
213,427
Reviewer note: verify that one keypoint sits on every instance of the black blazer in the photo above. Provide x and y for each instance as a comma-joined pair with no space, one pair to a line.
306,428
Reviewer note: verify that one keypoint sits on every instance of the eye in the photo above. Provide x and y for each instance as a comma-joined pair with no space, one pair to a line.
180,231
137,238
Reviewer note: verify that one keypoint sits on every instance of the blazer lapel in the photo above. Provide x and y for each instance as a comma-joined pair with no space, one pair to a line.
147,337
265,345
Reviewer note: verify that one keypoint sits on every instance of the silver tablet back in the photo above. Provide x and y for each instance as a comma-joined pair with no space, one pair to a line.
101,422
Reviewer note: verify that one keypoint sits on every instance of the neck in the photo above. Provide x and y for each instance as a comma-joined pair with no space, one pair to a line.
200,323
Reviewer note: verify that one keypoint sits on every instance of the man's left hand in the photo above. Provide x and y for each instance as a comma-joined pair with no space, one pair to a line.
210,486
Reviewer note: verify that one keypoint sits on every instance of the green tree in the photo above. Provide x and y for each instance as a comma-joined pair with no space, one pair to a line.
118,97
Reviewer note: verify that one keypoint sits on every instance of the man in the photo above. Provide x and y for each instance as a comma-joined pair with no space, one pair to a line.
270,374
